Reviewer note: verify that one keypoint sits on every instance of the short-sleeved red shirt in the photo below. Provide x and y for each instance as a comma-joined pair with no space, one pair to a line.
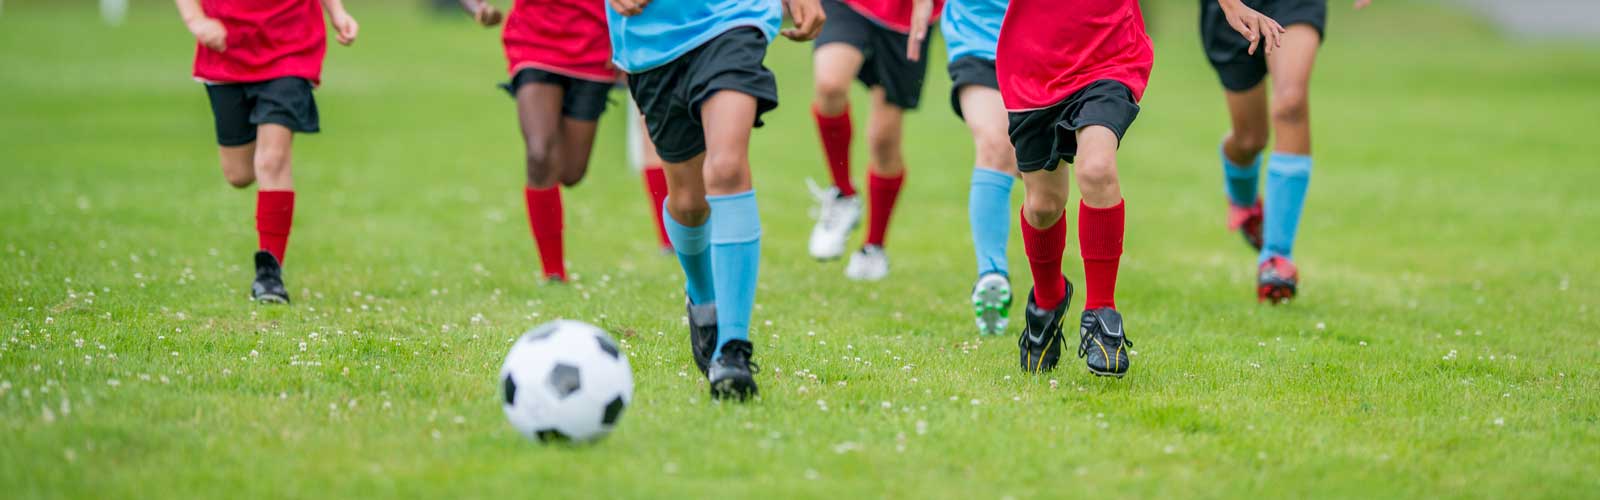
1051,48
568,37
892,14
267,39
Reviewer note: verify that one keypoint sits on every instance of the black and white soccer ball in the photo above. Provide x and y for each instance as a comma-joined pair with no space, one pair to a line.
565,381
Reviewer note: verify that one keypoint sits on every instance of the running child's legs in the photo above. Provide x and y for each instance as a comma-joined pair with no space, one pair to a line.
539,114
275,193
995,167
735,225
886,172
1100,216
835,67
1289,168
238,164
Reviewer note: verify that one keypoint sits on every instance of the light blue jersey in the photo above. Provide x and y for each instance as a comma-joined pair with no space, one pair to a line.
667,29
972,27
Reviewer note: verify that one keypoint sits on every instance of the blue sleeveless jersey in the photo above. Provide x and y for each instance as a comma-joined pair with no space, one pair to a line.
972,27
667,29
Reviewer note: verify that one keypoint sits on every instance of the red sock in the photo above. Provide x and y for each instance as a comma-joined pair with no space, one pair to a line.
835,132
544,216
655,183
1100,243
1044,248
274,215
883,191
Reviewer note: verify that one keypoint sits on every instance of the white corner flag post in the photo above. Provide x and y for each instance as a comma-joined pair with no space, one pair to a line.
114,11
635,136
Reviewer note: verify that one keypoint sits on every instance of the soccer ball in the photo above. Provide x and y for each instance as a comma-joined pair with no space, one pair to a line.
565,381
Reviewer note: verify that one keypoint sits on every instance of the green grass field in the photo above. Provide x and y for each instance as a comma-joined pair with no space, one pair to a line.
1445,344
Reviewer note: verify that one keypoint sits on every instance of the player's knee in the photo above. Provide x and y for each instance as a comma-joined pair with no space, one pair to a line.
1250,141
1096,172
1290,106
271,163
884,145
571,179
688,210
726,173
995,151
1043,209
239,178
832,92
540,164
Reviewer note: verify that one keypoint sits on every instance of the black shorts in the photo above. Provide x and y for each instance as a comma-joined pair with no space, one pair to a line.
970,70
580,99
1228,50
670,95
885,64
240,107
1045,137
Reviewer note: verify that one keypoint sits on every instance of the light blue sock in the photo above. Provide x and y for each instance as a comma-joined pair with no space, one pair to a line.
1241,180
989,213
691,245
1288,176
736,255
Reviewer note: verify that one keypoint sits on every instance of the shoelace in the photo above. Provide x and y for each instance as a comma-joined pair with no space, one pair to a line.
743,352
824,211
1084,338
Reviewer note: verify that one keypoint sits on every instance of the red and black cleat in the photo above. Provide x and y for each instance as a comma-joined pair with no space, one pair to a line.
1247,221
1277,280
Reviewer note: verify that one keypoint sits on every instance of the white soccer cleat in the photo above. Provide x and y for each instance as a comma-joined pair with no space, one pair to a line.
868,264
991,302
836,217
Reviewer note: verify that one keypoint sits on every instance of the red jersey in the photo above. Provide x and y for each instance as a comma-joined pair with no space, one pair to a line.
1051,48
892,14
568,37
267,39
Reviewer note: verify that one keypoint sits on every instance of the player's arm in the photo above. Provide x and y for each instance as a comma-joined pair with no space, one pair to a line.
921,12
808,19
482,12
1254,26
345,26
209,32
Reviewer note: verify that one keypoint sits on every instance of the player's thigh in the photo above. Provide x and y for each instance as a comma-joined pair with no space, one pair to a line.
1291,63
835,65
985,114
539,115
577,141
1096,160
728,116
238,164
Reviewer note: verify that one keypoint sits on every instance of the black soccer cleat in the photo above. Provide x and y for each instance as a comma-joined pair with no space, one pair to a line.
268,287
1102,343
733,374
702,334
1040,342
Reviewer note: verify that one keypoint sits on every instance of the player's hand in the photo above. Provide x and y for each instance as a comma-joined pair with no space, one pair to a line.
346,28
1362,4
210,33
487,15
921,12
808,19
1256,27
629,7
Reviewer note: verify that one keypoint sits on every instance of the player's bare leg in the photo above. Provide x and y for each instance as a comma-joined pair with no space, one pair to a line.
577,142
989,204
735,238
1101,216
539,114
238,164
1044,238
885,175
1241,155
839,209
1289,167
272,164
